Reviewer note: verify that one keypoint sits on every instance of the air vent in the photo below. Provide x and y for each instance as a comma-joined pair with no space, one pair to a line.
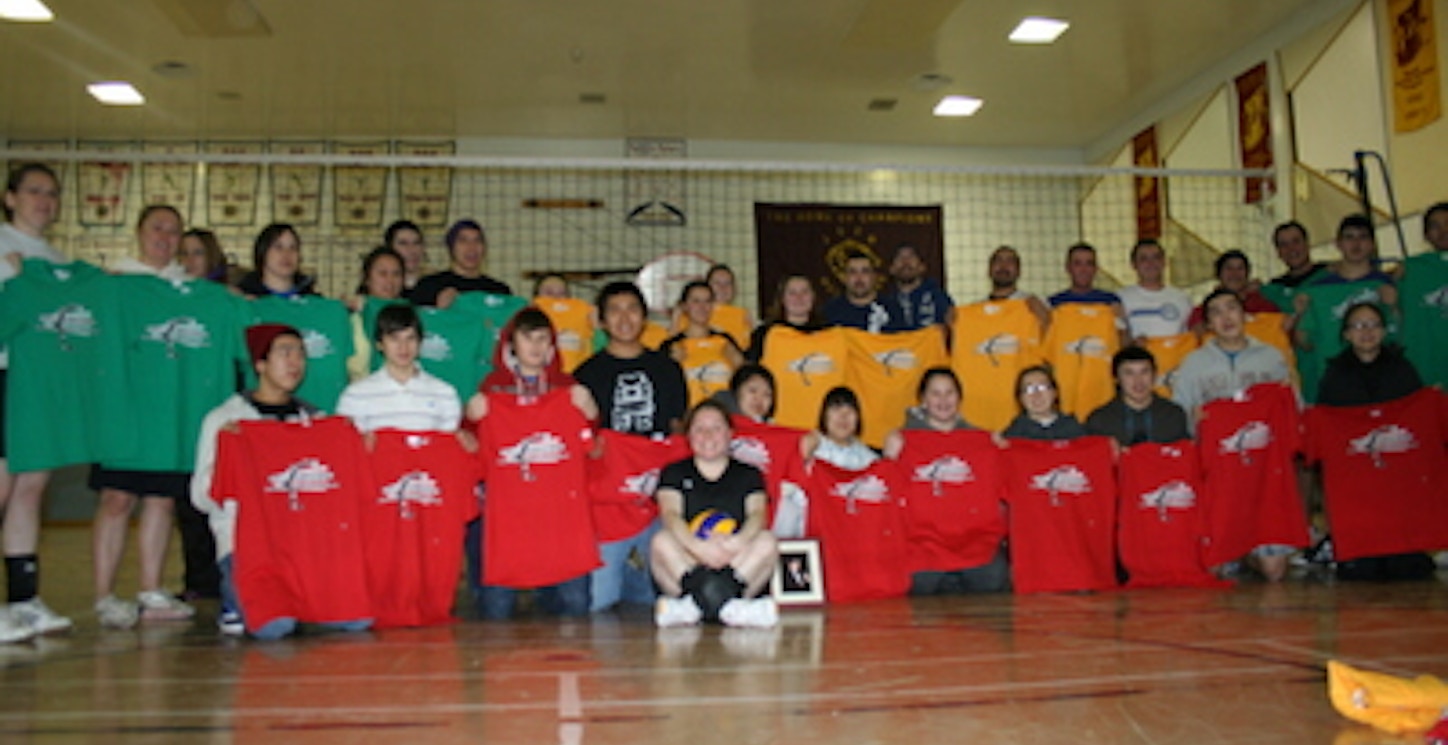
173,69
882,104
592,98
931,81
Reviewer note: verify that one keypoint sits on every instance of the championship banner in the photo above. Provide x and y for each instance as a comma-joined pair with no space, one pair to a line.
814,240
1417,94
103,186
425,191
231,187
1148,188
169,183
1254,129
358,192
297,188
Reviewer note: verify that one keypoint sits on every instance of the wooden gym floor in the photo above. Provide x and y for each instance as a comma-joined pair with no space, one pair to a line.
1241,665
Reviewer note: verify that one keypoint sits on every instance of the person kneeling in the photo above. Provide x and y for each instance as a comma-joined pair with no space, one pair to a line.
711,565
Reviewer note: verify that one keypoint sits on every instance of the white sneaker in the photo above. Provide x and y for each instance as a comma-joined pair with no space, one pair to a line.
756,613
115,613
669,612
159,605
230,624
37,615
11,629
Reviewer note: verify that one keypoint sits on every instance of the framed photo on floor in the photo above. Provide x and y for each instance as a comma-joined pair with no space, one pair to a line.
799,577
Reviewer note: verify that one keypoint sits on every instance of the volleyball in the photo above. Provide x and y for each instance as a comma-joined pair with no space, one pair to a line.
713,522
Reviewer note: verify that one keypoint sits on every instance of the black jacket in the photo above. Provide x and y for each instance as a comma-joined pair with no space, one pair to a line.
1348,381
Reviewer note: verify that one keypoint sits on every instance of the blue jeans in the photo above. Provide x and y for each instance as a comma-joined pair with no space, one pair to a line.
569,598
228,585
624,576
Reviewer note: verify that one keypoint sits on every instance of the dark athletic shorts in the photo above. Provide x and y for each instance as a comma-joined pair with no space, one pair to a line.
174,484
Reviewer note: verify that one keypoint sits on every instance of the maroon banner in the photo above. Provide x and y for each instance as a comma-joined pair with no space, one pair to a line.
1254,129
814,239
1148,188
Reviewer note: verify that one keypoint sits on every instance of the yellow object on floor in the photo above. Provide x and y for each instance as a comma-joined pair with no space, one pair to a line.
1390,703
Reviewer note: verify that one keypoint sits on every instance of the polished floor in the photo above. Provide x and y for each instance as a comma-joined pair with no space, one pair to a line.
1240,665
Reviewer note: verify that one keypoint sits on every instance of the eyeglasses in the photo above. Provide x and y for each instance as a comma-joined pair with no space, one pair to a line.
1364,326
1035,388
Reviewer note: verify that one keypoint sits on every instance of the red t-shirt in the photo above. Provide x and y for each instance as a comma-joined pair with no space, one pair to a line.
859,519
299,551
954,509
622,480
1384,472
773,450
413,525
1246,444
1062,496
1161,526
537,526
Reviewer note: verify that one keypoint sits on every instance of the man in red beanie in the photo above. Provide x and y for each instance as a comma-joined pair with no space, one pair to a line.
280,360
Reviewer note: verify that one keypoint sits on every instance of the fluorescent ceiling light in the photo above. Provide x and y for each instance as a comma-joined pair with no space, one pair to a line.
958,106
32,11
116,93
1035,30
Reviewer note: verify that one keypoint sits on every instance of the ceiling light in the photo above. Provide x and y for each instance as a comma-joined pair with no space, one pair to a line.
31,11
958,106
1035,30
116,93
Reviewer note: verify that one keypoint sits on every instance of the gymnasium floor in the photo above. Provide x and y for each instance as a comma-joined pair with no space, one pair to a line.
1242,665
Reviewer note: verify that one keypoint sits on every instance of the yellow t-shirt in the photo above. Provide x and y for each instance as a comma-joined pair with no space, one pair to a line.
706,368
1079,346
884,370
573,321
805,367
653,335
731,319
1169,352
991,342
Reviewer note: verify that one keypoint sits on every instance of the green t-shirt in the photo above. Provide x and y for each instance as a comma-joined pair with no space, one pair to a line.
182,343
370,309
1281,295
1423,298
61,323
452,348
1322,323
494,312
327,334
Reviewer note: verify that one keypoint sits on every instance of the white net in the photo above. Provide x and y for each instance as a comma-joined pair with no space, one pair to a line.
573,216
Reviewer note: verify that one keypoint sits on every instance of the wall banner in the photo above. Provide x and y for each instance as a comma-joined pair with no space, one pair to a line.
814,239
1417,94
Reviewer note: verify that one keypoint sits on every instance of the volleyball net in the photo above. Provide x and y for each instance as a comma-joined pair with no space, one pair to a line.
596,220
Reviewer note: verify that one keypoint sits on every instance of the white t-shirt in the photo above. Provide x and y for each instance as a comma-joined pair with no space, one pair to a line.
422,404
130,265
1161,312
13,241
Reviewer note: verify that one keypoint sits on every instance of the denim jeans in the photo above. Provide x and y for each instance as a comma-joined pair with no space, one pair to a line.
993,576
624,576
570,598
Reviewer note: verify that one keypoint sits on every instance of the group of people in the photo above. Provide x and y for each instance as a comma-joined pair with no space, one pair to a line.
700,541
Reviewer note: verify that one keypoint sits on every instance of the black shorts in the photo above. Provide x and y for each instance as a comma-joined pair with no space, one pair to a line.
3,384
173,484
